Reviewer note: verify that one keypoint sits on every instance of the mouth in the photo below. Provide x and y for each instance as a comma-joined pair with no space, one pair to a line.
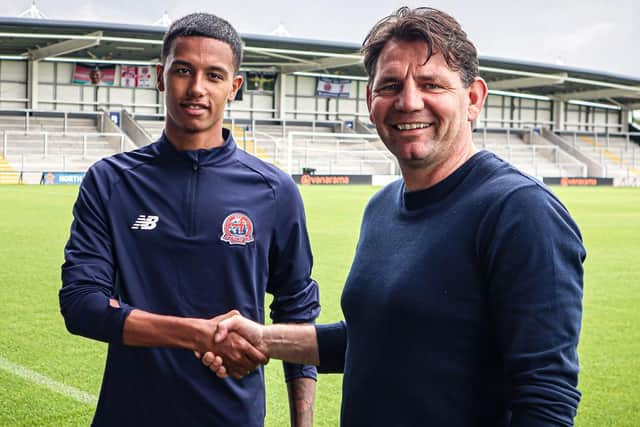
412,126
194,107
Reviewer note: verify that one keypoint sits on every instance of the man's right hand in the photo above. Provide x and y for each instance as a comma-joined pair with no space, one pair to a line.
145,329
238,340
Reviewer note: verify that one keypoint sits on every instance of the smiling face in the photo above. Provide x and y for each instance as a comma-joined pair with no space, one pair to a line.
421,109
198,78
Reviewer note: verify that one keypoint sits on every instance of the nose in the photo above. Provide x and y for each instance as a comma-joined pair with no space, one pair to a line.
409,98
197,85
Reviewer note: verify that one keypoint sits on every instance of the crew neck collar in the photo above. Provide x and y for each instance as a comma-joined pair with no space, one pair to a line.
416,200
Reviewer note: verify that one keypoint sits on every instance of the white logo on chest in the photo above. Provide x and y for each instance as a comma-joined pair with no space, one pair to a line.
145,222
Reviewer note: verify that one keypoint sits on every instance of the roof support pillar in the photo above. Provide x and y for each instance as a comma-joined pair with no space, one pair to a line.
626,117
281,97
32,85
558,115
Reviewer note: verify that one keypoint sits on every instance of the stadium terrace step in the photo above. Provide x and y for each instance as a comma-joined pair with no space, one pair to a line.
615,154
533,155
8,175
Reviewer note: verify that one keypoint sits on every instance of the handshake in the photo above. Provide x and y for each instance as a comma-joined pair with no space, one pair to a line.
241,345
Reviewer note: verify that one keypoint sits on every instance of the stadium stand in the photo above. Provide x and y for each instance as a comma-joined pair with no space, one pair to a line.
529,152
319,145
618,155
34,142
548,120
153,126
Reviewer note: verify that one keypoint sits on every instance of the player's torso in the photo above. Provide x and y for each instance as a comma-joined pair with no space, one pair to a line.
192,239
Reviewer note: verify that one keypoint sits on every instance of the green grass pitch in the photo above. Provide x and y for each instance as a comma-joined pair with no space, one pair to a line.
34,224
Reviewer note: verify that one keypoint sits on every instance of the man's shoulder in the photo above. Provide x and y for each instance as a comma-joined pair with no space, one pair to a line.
106,173
124,161
500,179
272,175
505,187
389,190
386,197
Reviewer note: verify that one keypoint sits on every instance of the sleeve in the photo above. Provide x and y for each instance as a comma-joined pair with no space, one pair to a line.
88,270
296,298
534,261
332,346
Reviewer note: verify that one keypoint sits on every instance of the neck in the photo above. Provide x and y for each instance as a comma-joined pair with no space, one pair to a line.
184,140
420,178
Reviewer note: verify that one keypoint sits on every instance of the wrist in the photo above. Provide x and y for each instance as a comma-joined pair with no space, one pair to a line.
202,333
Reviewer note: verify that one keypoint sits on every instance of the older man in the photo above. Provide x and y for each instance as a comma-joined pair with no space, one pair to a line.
463,303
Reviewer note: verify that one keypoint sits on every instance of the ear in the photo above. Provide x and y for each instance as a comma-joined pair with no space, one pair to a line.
160,74
477,95
369,98
236,84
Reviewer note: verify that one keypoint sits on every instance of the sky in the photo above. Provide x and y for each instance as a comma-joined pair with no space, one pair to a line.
599,35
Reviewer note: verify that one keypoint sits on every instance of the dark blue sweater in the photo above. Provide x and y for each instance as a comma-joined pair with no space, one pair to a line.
462,306
192,234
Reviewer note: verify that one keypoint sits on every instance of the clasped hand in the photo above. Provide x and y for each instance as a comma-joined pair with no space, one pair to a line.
238,347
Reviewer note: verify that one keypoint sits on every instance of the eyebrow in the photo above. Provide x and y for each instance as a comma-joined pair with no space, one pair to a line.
386,79
218,68
391,78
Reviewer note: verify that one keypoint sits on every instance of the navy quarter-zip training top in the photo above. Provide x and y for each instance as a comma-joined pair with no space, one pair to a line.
191,234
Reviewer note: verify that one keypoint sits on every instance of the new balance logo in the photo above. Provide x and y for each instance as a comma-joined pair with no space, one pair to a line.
145,222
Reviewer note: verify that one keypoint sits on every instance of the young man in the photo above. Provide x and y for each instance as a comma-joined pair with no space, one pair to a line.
463,303
170,235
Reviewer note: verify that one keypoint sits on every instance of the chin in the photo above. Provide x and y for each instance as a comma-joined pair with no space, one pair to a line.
414,155
194,126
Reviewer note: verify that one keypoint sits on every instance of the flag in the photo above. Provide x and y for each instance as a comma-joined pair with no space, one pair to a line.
337,88
96,74
264,81
144,76
128,76
135,76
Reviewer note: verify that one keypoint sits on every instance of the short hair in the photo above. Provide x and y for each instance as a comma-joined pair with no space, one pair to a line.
204,25
440,31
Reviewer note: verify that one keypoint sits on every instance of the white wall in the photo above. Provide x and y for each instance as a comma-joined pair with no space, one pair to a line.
591,118
303,104
13,84
502,111
56,92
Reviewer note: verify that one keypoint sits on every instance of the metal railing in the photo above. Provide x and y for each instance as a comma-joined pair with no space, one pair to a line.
516,123
83,138
541,157
593,127
28,115
509,132
604,137
305,147
527,149
33,163
624,155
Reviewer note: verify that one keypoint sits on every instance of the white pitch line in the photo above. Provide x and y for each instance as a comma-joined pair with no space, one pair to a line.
53,385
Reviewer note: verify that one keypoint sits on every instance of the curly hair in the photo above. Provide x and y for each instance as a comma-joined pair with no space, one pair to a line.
204,25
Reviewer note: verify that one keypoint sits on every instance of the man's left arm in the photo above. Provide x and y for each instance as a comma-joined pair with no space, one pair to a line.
296,298
534,264
302,393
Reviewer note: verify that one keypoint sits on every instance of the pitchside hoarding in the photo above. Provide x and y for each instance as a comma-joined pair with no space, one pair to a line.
50,178
577,181
332,179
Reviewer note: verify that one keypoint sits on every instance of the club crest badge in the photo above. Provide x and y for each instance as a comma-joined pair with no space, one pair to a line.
237,229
